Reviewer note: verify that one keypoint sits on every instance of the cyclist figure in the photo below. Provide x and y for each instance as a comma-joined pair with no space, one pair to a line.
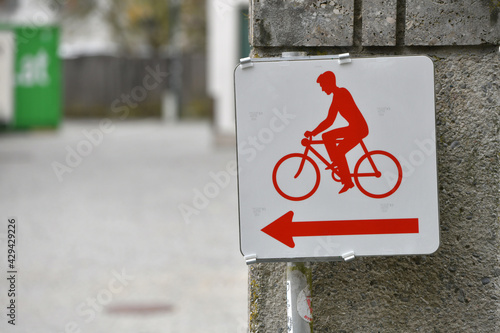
350,136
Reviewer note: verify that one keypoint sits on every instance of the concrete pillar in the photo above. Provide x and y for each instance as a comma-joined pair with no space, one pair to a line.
457,289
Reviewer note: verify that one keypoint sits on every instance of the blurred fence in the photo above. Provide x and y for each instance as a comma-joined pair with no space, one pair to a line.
97,86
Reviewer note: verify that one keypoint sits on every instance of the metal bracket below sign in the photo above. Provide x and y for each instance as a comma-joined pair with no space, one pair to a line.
348,256
250,259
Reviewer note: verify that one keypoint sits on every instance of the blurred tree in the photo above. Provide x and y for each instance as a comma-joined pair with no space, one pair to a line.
8,6
144,22
192,23
141,25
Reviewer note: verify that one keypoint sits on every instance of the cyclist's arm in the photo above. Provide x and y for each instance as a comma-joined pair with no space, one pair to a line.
325,124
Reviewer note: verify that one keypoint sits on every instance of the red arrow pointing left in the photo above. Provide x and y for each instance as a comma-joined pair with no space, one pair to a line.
284,229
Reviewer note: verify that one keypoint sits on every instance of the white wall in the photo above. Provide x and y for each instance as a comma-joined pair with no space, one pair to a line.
30,12
6,76
223,56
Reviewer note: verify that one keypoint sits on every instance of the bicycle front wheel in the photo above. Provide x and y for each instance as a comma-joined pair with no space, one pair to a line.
296,177
378,174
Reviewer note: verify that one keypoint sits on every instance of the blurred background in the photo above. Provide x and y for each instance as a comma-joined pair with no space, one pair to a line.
117,160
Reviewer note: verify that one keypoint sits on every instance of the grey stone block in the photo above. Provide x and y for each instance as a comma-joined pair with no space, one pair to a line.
452,22
379,23
302,23
267,298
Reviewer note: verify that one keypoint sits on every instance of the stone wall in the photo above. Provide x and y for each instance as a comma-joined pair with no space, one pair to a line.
457,289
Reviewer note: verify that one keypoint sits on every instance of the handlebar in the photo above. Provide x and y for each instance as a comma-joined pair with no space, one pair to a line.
306,141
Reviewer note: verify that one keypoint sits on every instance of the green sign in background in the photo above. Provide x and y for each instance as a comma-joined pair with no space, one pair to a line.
37,92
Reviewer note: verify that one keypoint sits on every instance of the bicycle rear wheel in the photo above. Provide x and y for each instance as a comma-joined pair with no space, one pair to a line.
378,174
296,177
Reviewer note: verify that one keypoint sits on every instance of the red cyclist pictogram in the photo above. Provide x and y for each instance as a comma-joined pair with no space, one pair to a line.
377,173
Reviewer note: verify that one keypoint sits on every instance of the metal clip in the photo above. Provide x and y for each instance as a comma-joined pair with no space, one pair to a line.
246,62
344,58
348,256
250,259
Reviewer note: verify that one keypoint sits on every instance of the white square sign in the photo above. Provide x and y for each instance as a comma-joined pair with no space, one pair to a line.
336,159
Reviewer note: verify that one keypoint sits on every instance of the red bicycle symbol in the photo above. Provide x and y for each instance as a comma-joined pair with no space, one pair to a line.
296,176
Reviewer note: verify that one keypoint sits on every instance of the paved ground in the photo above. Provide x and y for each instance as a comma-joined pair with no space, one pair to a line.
102,245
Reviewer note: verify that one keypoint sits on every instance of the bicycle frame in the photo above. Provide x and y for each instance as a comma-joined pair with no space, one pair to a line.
308,142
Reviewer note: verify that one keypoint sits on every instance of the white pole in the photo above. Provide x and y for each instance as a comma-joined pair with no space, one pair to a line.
298,297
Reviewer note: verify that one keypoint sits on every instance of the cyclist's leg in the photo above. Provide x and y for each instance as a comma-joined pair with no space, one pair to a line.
344,146
344,173
330,142
337,148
